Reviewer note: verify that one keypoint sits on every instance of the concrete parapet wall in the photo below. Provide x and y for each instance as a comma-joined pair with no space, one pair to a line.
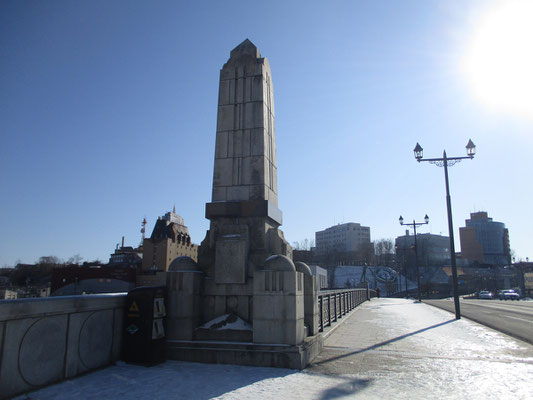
47,340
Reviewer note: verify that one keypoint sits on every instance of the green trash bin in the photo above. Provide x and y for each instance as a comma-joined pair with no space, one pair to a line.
144,326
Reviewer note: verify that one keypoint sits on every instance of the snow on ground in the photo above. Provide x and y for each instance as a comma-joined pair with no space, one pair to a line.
389,349
181,380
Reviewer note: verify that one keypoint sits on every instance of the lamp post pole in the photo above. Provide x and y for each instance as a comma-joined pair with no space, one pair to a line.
446,161
414,224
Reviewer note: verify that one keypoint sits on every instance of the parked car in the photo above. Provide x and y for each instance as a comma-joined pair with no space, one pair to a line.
485,294
509,295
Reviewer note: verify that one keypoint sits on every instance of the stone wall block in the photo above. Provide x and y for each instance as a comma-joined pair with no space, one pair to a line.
221,145
230,260
223,172
227,73
219,193
274,332
49,339
224,92
257,88
44,345
258,143
184,303
96,339
246,146
226,118
278,307
235,193
311,304
241,86
118,323
236,144
220,307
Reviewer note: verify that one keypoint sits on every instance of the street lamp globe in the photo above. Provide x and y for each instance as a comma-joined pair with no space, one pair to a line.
470,149
419,152
426,219
401,220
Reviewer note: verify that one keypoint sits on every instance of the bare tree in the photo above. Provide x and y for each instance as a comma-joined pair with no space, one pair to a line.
48,260
384,251
305,244
75,259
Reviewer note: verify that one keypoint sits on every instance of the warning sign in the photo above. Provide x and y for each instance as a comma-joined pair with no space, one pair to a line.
134,307
133,311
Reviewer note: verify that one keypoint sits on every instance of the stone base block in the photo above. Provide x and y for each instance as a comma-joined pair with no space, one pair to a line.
252,354
226,335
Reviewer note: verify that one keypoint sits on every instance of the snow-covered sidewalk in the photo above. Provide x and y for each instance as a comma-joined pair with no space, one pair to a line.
388,348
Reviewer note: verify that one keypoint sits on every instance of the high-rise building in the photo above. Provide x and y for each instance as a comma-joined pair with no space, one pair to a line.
433,250
485,241
348,237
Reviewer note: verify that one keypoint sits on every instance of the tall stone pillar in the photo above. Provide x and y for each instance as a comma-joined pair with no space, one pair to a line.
244,210
245,267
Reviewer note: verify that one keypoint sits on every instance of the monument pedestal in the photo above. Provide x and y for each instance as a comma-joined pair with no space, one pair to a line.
242,353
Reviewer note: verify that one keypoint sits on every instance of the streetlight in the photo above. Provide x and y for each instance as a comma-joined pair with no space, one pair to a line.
414,224
446,161
401,265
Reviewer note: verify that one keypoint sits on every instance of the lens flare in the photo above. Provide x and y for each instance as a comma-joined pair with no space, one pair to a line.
499,58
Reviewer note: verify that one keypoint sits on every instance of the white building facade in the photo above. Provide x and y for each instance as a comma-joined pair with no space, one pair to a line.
346,237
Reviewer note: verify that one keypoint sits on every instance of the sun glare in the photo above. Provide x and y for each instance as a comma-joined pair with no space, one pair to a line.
499,58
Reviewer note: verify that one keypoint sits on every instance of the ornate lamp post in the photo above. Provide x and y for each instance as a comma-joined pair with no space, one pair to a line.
414,224
446,161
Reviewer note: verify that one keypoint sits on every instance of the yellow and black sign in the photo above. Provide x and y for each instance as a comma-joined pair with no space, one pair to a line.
133,311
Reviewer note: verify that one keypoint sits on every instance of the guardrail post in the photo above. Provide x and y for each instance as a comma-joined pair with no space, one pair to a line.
321,310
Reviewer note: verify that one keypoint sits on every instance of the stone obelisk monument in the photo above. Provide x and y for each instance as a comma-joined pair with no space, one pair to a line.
243,212
245,301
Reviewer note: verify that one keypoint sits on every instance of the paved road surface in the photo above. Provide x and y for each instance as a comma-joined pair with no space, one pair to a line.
515,318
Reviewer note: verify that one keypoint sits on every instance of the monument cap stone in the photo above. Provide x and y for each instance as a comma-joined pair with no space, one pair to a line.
183,263
279,262
303,267
246,47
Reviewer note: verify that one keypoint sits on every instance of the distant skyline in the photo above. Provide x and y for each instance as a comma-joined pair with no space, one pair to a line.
108,116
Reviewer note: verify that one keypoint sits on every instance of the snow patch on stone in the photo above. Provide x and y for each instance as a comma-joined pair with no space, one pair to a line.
228,321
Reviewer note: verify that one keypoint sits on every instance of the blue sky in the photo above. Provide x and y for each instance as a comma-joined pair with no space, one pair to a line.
108,115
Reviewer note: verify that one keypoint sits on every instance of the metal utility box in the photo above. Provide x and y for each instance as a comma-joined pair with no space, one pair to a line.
144,326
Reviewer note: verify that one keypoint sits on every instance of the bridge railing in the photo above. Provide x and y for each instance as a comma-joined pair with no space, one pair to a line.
334,304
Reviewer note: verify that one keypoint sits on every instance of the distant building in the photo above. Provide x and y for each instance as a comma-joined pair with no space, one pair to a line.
90,280
321,276
126,256
7,294
485,241
170,239
433,250
348,237
4,281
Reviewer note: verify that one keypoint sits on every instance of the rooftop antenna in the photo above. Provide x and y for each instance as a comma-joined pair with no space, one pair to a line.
143,229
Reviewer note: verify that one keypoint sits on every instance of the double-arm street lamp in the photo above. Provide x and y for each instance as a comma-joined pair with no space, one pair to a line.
414,224
446,161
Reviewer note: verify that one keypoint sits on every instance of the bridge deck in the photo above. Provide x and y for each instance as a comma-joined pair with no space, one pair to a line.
415,349
387,348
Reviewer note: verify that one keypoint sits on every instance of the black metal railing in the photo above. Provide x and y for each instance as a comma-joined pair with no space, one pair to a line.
334,304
